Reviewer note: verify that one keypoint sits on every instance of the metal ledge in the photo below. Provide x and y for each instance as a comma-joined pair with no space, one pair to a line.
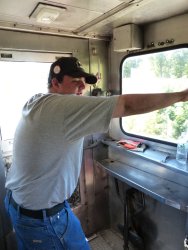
163,190
157,157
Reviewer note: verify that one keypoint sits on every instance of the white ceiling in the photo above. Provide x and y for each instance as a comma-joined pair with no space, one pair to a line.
90,18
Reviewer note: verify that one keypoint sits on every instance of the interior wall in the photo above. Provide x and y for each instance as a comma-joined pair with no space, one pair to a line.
163,31
163,227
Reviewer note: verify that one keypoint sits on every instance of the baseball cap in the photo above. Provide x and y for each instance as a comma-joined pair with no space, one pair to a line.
69,66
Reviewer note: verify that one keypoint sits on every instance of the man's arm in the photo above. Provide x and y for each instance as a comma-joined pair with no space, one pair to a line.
132,104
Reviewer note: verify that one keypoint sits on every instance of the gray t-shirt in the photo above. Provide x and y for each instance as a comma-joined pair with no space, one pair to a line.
48,145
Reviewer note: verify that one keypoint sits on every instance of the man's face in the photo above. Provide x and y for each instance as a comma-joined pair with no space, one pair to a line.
71,85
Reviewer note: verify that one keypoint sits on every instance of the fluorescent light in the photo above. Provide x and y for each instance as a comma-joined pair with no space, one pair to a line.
46,15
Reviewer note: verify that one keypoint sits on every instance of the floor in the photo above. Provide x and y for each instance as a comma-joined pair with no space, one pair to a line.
106,240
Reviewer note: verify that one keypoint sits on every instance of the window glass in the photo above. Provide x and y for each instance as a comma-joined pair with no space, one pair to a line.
19,81
163,71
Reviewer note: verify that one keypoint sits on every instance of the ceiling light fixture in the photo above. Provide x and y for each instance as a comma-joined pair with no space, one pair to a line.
45,13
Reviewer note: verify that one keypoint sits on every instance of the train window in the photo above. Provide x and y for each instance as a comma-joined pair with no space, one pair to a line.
19,81
162,71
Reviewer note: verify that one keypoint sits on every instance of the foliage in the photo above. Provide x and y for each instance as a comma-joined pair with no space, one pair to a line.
129,65
179,119
171,65
172,121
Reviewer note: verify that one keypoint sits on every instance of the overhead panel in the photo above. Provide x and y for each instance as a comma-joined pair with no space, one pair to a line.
127,37
91,18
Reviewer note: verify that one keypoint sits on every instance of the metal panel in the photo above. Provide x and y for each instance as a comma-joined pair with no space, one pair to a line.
150,161
173,28
159,188
162,227
127,37
28,42
93,210
43,43
156,32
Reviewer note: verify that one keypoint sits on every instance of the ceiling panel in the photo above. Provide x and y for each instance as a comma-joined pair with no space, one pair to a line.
91,5
139,13
88,17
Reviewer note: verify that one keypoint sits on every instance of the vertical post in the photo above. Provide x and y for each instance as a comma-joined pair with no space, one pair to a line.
126,222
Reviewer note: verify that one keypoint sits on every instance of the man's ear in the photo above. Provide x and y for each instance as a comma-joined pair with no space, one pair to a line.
55,84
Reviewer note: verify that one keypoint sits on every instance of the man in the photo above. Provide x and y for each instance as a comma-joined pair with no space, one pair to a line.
47,153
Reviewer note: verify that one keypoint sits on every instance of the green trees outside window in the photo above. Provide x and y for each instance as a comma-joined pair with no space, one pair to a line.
163,71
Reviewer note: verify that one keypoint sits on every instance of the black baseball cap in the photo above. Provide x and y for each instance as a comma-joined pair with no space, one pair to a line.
69,66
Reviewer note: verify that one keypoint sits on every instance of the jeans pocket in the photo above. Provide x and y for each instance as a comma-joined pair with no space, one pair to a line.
74,237
35,237
59,223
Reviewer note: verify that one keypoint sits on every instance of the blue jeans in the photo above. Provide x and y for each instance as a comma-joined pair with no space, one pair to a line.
59,232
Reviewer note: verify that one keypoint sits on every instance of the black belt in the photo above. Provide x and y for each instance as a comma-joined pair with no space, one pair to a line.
38,214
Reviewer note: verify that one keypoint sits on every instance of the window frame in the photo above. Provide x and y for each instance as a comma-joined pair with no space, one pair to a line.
139,53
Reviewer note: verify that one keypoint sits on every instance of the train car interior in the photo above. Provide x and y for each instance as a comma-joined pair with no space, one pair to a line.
132,191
